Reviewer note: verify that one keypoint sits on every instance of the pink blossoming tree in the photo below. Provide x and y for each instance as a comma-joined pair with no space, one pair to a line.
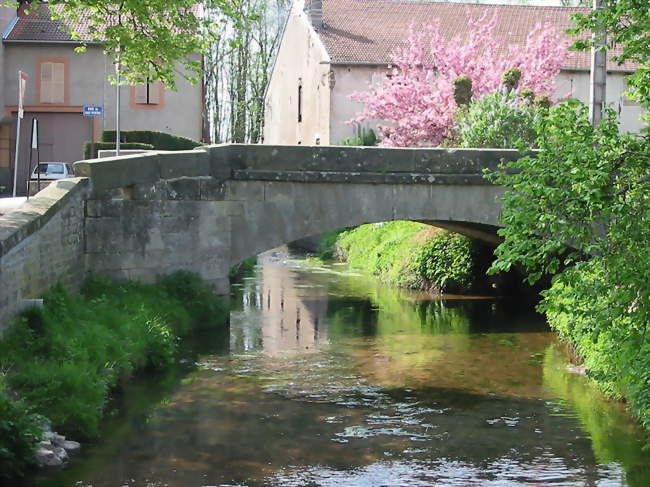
417,99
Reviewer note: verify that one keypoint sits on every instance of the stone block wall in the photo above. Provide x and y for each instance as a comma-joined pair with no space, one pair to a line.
42,243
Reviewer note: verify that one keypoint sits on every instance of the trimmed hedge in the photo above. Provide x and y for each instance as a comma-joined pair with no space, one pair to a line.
88,154
159,140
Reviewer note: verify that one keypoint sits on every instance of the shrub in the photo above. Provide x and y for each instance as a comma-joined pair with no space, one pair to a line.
159,140
612,343
499,121
361,137
89,154
446,261
19,435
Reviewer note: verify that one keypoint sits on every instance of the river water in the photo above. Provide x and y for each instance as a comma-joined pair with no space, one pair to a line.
328,378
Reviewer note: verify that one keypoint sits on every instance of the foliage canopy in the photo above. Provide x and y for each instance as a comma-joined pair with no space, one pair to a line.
154,37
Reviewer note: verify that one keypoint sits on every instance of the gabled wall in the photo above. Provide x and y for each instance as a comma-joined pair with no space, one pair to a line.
300,59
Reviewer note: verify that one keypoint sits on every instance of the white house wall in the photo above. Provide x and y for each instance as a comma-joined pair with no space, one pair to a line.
576,84
301,59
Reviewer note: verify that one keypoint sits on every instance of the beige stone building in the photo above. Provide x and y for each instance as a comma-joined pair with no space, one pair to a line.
332,48
62,81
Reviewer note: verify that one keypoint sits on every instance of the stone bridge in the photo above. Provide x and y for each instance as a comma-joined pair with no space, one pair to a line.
207,209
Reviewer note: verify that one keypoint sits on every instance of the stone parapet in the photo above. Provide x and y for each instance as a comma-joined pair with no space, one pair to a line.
42,243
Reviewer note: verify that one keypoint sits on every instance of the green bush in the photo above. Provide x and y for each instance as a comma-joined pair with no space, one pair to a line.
447,261
64,360
410,254
89,154
361,137
327,243
19,435
611,341
499,121
159,140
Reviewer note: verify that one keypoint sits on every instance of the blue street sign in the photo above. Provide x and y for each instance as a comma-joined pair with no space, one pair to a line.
93,110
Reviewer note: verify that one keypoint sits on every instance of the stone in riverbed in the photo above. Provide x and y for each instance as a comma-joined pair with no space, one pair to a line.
71,445
61,453
47,458
58,440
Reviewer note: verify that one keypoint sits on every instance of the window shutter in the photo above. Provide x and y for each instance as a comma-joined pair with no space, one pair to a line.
154,93
141,94
52,82
46,82
58,83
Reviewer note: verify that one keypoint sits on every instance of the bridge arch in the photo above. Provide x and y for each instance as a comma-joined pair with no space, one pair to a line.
143,215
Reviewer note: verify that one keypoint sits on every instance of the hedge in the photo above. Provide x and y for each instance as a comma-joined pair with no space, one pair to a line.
111,146
159,140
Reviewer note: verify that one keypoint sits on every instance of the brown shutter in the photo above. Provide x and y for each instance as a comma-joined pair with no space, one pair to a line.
141,94
154,93
46,82
58,83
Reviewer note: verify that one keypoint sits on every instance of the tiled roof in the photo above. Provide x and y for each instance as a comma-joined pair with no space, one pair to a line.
369,31
38,26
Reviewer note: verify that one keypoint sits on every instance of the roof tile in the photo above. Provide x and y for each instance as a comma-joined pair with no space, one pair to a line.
370,31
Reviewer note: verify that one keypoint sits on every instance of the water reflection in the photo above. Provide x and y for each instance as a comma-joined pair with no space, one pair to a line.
334,380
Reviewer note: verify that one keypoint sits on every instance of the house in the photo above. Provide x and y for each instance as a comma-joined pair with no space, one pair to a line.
61,81
332,48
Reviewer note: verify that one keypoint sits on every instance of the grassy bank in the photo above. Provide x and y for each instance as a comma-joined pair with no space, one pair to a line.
410,254
613,345
65,359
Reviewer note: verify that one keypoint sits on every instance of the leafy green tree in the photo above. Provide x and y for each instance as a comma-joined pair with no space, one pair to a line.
580,210
154,37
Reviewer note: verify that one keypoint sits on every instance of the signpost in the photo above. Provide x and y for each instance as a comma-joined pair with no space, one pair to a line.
22,87
92,111
34,145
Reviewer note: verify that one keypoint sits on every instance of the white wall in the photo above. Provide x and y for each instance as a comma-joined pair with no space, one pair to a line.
301,57
576,84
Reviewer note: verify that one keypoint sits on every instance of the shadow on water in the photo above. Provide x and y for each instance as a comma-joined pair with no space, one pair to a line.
327,378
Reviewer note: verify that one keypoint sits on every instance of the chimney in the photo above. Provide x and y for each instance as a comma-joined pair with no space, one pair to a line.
315,13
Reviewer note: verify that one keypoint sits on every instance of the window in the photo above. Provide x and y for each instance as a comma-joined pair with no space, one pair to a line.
300,102
52,82
148,93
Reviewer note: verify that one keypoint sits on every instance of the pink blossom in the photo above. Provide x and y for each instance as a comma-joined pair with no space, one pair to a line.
417,100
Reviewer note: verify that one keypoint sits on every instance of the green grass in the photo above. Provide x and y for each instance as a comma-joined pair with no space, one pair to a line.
64,360
410,254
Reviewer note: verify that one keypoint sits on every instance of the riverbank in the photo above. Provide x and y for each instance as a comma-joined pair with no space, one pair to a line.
612,346
410,254
62,362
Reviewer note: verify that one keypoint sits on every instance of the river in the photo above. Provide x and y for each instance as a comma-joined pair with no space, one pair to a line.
328,378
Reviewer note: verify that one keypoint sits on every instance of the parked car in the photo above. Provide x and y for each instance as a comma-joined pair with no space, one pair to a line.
52,170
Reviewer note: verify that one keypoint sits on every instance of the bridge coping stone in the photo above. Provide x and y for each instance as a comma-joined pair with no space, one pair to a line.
226,161
36,212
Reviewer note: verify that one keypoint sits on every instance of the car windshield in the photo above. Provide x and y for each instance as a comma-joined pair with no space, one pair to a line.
50,168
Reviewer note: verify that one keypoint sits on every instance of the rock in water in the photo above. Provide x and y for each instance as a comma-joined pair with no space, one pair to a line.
71,445
47,458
